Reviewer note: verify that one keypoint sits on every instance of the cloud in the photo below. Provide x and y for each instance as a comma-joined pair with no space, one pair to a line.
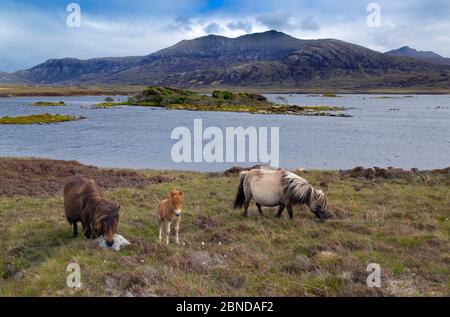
33,31
181,23
281,20
240,25
213,28
277,20
37,37
309,24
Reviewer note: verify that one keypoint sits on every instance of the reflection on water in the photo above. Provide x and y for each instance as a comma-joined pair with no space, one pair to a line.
405,132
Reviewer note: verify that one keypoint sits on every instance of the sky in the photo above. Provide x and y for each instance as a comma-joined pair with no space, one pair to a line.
36,30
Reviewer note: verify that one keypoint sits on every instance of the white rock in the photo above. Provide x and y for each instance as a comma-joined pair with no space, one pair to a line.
119,242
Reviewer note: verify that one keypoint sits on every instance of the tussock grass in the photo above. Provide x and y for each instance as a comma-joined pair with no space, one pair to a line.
45,118
22,90
28,90
48,104
400,224
111,104
330,95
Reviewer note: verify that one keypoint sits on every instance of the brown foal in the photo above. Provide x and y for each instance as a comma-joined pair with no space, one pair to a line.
167,210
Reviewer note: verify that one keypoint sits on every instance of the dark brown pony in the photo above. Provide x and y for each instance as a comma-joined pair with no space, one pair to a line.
83,201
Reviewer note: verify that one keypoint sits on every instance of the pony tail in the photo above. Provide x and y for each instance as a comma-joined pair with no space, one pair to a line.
240,196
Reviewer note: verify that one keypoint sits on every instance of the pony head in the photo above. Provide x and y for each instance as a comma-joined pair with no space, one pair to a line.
176,197
318,204
105,221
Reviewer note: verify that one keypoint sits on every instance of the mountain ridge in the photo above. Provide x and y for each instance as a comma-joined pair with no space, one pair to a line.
428,56
267,59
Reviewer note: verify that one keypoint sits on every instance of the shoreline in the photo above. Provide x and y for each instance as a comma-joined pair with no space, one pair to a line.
75,91
235,169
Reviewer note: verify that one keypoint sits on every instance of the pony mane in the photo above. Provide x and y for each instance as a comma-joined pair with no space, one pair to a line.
296,188
91,198
319,198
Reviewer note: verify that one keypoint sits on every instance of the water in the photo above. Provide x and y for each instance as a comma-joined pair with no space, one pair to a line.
415,135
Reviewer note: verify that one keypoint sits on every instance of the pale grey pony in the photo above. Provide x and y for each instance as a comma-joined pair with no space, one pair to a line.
278,188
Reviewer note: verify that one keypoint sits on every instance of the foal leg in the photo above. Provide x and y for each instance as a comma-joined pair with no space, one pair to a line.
167,231
259,209
160,231
280,210
177,229
290,211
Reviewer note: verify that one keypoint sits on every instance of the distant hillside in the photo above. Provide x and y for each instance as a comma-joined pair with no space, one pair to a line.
427,56
270,59
74,70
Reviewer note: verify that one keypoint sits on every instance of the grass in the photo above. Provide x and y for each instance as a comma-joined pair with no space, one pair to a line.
314,88
400,224
330,95
272,109
48,104
111,104
45,118
21,90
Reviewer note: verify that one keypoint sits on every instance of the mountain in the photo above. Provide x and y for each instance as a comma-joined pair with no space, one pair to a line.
55,71
269,59
7,78
427,56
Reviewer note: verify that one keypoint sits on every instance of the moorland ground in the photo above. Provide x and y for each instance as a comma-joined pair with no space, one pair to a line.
47,90
398,220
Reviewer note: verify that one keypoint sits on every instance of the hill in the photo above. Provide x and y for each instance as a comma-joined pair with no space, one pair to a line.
427,56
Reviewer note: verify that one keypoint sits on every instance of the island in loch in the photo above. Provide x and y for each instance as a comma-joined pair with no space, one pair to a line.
219,100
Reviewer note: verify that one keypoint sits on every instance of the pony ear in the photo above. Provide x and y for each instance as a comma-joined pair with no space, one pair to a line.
181,193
